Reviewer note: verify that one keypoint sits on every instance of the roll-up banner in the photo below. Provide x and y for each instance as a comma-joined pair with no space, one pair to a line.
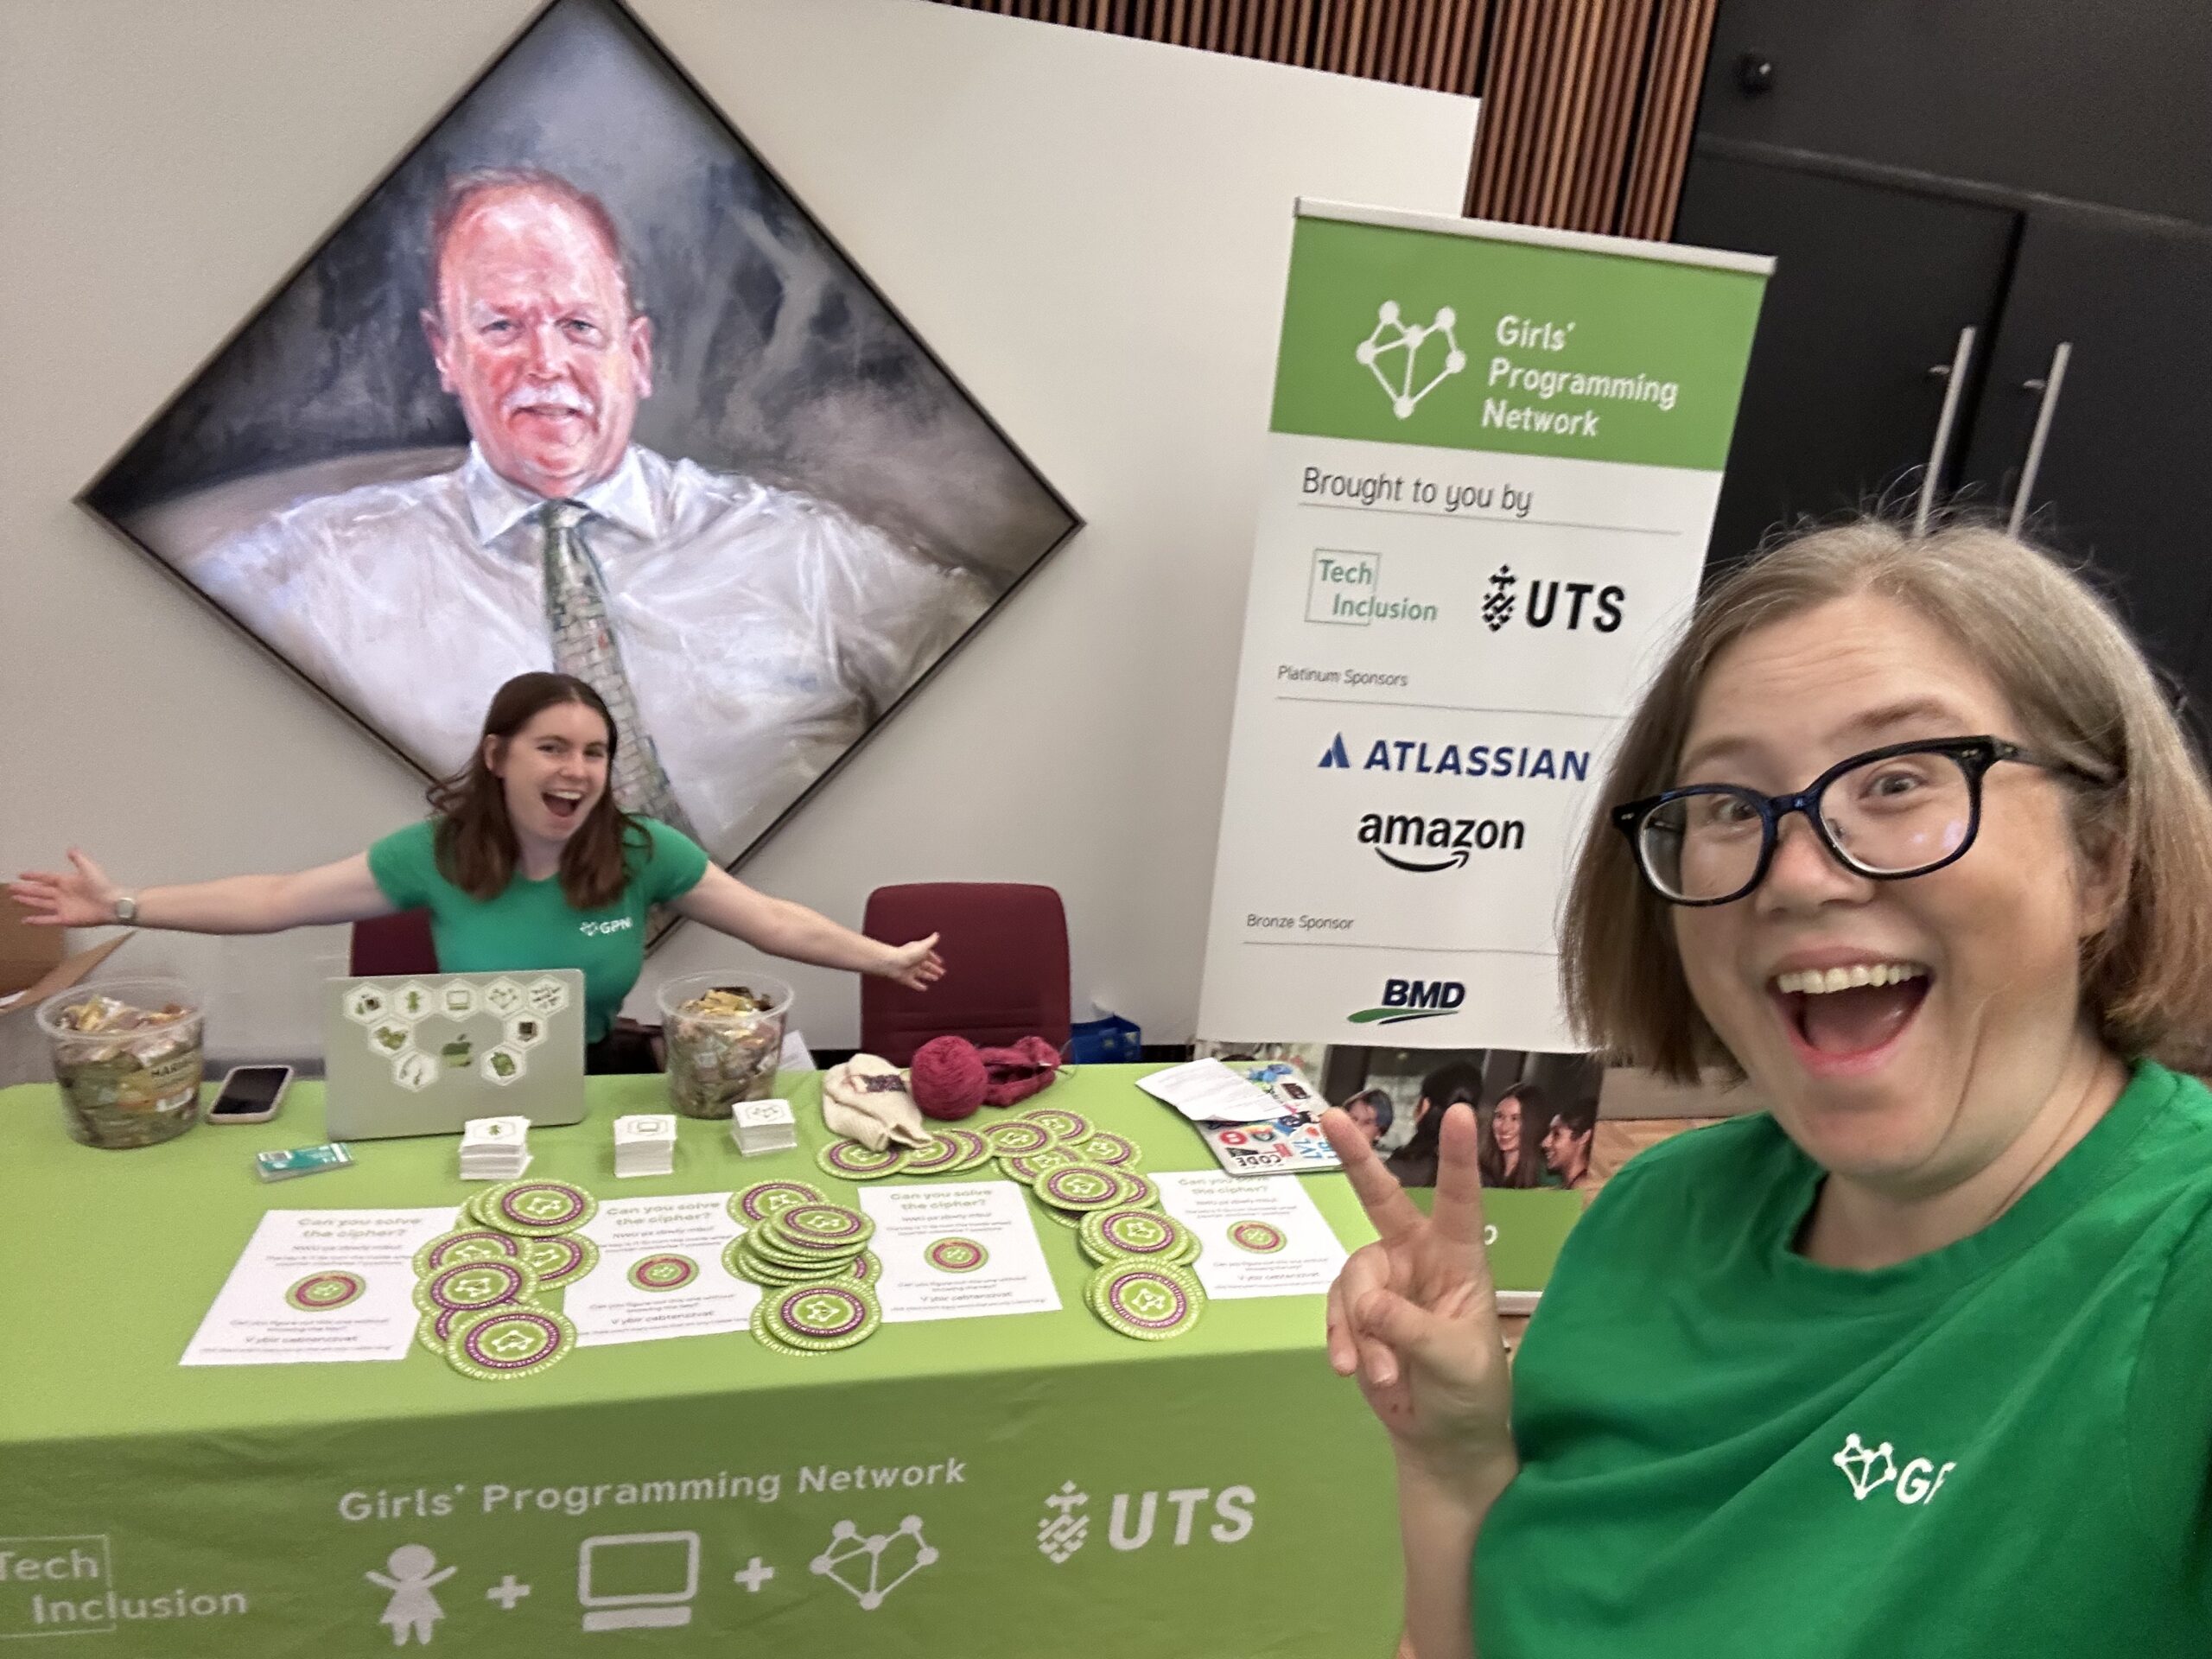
1490,475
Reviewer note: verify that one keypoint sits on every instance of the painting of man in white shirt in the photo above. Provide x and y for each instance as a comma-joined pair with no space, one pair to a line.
745,635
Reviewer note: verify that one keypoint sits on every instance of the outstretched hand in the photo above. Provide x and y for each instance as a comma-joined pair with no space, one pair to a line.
81,896
916,966
1414,1316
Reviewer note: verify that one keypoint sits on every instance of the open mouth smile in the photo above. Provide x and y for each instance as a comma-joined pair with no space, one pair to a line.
1849,1019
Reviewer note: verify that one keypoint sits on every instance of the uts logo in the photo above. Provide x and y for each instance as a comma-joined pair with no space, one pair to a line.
1132,1517
1413,999
1540,608
1426,845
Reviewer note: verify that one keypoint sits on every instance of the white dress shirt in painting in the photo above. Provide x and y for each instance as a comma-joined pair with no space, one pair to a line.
763,631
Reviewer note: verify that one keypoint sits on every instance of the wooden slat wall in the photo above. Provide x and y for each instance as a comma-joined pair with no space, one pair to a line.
1588,105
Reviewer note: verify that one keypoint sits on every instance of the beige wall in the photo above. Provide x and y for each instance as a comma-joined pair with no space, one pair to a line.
1091,232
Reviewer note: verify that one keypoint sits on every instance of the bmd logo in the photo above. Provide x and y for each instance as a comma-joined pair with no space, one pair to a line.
1413,999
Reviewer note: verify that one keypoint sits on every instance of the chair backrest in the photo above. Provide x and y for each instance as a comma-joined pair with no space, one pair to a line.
385,947
1005,947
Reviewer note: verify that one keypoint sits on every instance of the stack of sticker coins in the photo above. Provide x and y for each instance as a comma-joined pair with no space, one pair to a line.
1127,1233
795,1243
478,1287
1150,1300
1067,1193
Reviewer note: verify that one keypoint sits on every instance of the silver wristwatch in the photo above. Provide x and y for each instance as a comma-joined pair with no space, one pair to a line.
126,910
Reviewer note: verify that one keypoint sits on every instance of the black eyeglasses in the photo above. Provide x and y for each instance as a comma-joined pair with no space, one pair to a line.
1888,814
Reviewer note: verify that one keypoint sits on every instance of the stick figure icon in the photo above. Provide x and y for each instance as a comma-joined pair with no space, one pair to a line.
412,1607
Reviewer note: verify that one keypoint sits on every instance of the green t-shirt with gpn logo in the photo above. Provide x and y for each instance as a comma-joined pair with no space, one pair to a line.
531,925
2000,1448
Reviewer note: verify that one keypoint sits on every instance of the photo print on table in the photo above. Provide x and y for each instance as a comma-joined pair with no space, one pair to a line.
1537,1113
580,385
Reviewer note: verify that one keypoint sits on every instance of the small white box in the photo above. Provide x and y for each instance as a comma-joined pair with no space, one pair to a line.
759,1126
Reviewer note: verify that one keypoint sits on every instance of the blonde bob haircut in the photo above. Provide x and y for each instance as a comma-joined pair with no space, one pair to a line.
2082,694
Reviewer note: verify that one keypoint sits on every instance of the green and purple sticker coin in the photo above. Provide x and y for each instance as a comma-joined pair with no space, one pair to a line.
536,1207
764,1199
956,1255
663,1270
856,1162
821,1318
508,1342
469,1245
469,1284
1257,1237
1080,1186
318,1292
1016,1137
1064,1125
1145,1300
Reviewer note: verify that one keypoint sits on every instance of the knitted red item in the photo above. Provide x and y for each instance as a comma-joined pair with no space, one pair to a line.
1018,1072
948,1078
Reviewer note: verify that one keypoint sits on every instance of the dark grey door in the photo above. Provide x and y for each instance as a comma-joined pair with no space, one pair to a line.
2122,473
1873,285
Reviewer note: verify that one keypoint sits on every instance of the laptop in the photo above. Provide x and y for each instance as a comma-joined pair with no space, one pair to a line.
424,1055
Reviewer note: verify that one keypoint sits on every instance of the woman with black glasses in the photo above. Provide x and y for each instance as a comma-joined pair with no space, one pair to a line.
1921,1360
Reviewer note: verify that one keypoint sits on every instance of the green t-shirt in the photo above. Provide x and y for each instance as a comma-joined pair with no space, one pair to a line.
533,925
1999,1448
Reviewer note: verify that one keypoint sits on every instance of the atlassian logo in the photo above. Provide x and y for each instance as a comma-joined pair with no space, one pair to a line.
1451,841
1540,607
1064,1527
1870,1468
593,930
1392,353
1457,760
1413,999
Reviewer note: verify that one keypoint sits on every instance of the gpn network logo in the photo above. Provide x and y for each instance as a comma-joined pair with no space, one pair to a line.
1393,353
1413,999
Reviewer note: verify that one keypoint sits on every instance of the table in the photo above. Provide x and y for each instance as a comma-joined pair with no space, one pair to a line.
1226,1494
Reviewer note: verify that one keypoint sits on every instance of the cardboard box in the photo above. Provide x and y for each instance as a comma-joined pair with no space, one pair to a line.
33,967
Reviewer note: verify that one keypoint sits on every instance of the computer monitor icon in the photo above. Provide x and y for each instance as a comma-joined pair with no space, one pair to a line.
633,1580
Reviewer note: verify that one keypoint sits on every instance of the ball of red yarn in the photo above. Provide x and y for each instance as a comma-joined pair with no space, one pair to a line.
948,1078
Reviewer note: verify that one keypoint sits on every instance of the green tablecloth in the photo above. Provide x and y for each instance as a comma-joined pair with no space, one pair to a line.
210,1510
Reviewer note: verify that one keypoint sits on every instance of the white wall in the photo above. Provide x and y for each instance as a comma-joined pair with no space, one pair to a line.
1092,232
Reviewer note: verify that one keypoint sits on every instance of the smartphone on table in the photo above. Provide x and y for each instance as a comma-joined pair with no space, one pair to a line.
250,1094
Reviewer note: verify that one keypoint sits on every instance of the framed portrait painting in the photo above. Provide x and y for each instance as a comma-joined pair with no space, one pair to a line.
580,385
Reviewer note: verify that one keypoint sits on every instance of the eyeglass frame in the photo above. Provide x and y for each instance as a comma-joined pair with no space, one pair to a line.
1975,756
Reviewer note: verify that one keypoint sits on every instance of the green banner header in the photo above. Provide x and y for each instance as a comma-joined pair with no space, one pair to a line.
1401,335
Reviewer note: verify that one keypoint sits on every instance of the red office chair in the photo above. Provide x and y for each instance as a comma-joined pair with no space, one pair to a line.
1006,951
385,947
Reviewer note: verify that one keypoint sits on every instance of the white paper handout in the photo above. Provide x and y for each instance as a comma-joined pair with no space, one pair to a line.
1260,1238
315,1286
1206,1091
660,1272
958,1251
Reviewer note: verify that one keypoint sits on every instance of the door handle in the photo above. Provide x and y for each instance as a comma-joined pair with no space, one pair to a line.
1954,376
2051,386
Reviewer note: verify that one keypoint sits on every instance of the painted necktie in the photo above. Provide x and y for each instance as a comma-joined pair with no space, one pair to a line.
584,645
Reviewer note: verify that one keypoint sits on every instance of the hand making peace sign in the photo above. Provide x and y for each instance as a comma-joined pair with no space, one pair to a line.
1415,1315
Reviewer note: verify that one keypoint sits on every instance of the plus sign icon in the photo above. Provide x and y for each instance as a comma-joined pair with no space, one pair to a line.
506,1592
756,1573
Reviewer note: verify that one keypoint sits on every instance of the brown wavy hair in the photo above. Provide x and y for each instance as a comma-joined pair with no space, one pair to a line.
477,850
2083,694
